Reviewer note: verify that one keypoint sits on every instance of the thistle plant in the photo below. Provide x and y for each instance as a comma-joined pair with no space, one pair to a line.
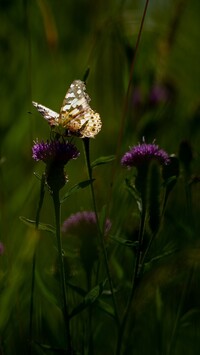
148,159
77,118
83,225
56,155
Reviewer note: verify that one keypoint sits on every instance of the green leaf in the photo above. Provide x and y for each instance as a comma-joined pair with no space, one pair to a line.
131,187
134,193
75,188
77,289
89,299
47,347
125,242
106,307
38,176
190,316
148,265
159,304
41,226
171,181
102,160
102,219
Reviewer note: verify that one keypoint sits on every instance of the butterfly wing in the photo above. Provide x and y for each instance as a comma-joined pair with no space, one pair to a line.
49,115
76,114
92,126
75,103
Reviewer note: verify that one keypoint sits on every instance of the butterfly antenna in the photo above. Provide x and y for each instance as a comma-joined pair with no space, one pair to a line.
85,76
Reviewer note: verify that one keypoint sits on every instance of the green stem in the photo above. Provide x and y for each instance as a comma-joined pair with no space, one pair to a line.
172,342
101,237
32,302
189,203
37,219
56,201
90,333
136,275
127,97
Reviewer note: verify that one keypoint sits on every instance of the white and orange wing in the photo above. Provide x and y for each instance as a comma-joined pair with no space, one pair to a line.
76,114
49,115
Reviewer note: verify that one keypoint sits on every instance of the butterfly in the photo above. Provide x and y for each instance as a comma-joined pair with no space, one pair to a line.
76,115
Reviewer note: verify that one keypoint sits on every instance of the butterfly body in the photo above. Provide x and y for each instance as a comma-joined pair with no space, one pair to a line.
76,115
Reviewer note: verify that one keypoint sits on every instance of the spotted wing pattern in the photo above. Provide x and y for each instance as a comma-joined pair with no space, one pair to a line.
76,115
51,116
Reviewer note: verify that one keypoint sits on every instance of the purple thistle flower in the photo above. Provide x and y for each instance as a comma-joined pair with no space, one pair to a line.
54,151
83,224
55,155
142,154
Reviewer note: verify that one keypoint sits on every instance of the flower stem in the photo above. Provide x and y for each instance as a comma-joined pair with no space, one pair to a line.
127,97
56,201
171,348
32,302
136,275
90,313
100,233
37,219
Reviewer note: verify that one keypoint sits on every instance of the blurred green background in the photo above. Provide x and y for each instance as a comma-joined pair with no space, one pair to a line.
44,46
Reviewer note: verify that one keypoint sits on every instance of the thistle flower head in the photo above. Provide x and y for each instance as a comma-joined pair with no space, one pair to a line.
83,224
55,155
143,154
55,150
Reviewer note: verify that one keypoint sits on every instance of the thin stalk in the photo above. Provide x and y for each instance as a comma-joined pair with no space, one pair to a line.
32,302
126,102
37,219
172,341
127,97
87,156
90,333
136,274
189,205
56,202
